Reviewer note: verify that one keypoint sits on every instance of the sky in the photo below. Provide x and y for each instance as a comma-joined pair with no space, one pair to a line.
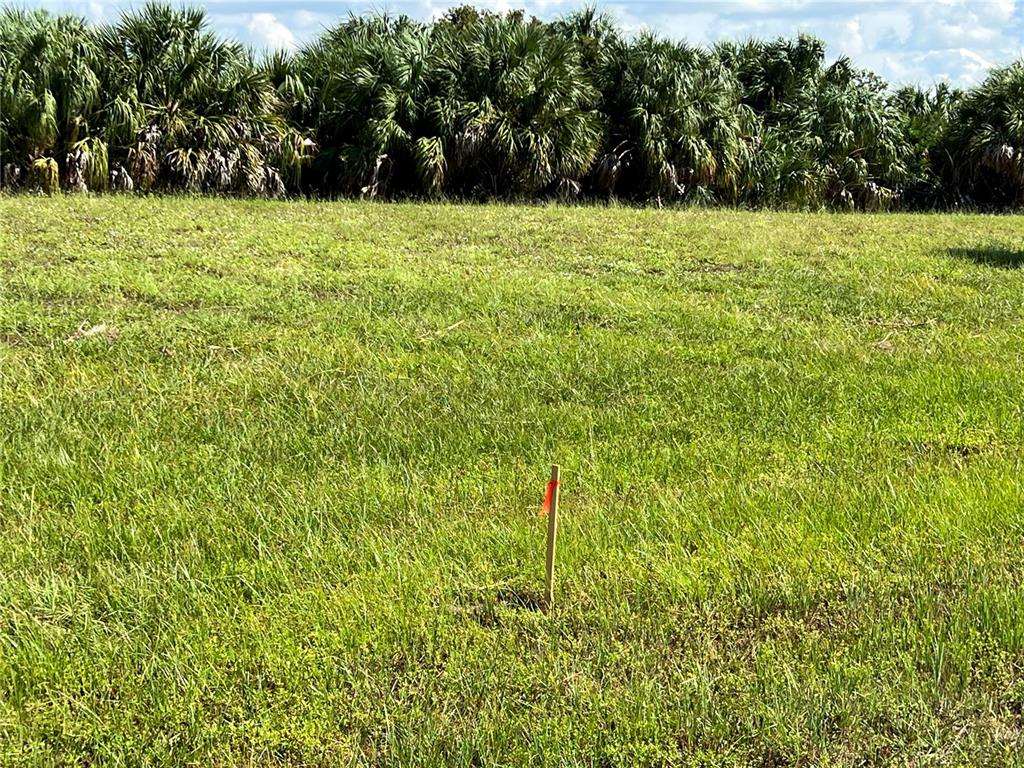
905,41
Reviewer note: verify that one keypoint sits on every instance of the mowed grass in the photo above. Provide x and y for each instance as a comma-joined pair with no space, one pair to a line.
270,474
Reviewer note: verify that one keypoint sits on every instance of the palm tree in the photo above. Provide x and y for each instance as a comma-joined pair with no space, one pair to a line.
676,125
863,150
484,105
926,117
521,110
829,135
371,86
594,35
49,94
986,139
778,77
475,104
298,148
188,110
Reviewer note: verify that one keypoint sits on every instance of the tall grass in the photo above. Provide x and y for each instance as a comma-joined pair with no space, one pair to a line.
269,478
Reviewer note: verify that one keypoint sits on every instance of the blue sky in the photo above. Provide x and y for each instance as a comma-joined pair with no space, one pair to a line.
905,41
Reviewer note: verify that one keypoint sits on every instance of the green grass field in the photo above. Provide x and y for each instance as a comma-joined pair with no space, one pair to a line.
270,473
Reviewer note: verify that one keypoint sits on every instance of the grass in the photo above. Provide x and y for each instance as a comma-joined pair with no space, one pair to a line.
269,479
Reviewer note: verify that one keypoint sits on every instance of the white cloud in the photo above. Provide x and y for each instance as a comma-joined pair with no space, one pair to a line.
266,28
904,41
974,66
852,40
975,58
312,21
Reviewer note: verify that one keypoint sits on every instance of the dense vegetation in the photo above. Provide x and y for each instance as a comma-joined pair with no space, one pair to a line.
269,480
478,105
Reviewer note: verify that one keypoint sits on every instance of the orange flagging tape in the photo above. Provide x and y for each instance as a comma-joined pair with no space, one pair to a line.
545,508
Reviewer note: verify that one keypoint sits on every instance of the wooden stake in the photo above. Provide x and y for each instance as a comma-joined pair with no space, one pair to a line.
549,587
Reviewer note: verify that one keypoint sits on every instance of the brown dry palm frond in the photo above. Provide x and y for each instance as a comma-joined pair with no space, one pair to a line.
431,164
608,168
120,179
44,176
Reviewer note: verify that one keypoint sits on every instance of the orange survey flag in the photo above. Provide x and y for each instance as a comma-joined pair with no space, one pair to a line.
549,494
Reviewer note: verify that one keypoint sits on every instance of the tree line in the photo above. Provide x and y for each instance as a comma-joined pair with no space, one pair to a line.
478,105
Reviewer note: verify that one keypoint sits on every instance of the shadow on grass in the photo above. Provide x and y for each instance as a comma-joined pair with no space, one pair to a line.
526,600
490,610
994,256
